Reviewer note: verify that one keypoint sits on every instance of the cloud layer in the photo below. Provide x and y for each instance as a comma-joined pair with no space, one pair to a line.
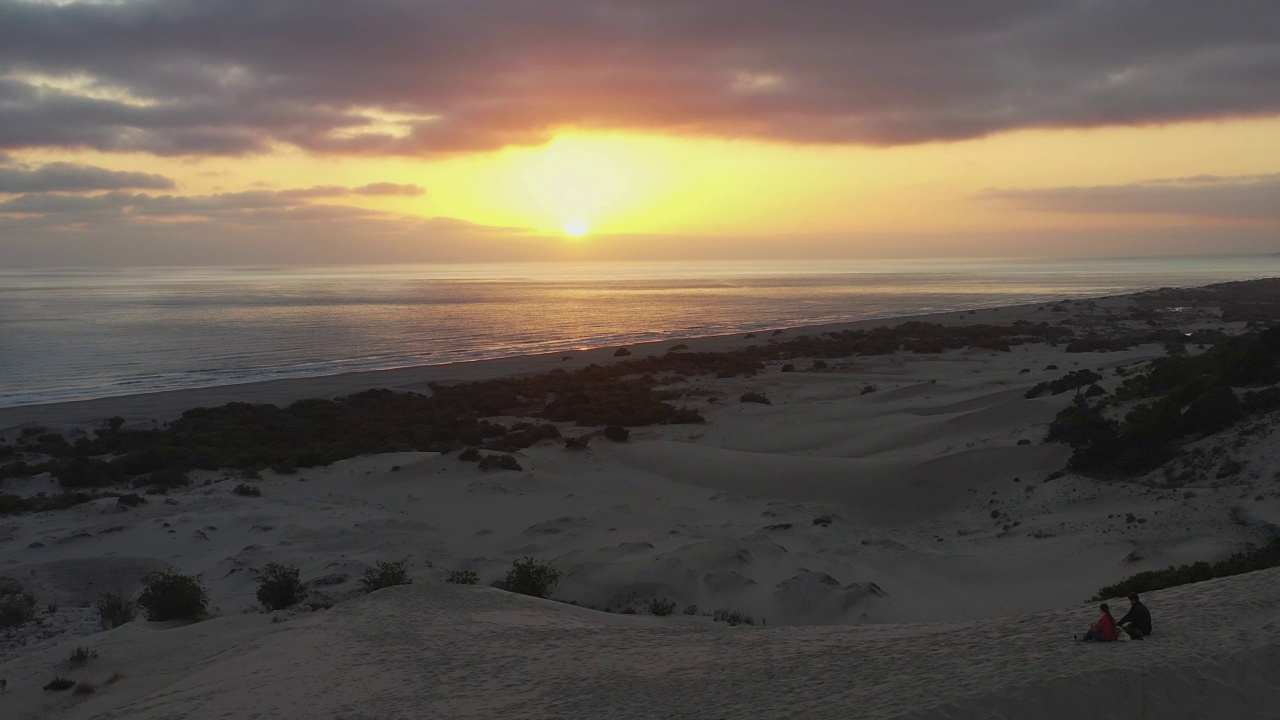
1254,197
68,177
188,77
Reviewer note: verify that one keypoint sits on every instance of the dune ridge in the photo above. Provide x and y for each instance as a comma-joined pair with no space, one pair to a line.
432,650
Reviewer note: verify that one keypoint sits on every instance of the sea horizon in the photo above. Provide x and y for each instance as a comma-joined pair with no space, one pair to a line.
79,333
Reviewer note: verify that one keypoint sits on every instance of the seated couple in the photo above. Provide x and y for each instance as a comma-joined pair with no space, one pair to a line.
1136,623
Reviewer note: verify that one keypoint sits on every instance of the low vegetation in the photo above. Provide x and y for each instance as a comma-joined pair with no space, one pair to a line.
17,606
115,610
44,502
1071,381
280,586
733,617
1261,558
250,438
173,596
58,684
1175,399
81,657
661,607
530,577
500,462
463,577
385,575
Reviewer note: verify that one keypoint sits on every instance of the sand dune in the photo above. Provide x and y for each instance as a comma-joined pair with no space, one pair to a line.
932,500
431,650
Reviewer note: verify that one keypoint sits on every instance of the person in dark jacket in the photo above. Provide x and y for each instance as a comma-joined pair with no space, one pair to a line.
1104,630
1136,622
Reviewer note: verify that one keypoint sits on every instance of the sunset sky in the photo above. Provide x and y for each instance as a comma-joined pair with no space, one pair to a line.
367,131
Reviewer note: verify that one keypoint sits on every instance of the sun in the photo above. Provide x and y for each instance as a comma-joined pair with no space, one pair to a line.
575,228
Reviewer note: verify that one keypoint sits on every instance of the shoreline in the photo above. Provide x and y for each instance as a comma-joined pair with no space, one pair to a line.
164,405
76,390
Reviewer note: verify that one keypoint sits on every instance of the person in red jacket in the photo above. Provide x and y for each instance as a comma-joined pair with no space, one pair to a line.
1104,630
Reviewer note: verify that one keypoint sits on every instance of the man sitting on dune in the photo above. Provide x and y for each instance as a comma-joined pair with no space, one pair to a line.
1136,622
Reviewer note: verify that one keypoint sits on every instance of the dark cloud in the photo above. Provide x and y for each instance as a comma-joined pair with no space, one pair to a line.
1253,197
285,226
68,177
402,77
235,206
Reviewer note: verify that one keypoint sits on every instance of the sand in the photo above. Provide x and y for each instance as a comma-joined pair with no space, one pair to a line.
946,578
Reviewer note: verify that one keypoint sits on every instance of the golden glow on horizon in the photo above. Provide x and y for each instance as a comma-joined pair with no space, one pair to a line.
576,228
719,190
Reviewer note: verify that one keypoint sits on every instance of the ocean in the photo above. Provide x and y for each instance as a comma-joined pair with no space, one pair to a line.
71,334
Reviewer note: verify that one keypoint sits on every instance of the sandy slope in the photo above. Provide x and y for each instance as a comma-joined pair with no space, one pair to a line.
432,650
937,514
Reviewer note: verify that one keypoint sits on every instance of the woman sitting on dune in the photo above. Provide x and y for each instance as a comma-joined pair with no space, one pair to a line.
1104,630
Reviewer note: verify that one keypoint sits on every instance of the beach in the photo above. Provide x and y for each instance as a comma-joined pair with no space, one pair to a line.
895,526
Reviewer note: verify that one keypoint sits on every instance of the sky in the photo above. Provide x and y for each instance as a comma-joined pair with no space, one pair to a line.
191,132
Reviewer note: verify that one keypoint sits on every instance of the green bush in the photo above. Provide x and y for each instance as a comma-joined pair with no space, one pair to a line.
733,617
167,478
59,684
115,610
384,575
499,462
530,577
171,595
280,587
17,606
661,607
463,577
247,490
81,657
1267,556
